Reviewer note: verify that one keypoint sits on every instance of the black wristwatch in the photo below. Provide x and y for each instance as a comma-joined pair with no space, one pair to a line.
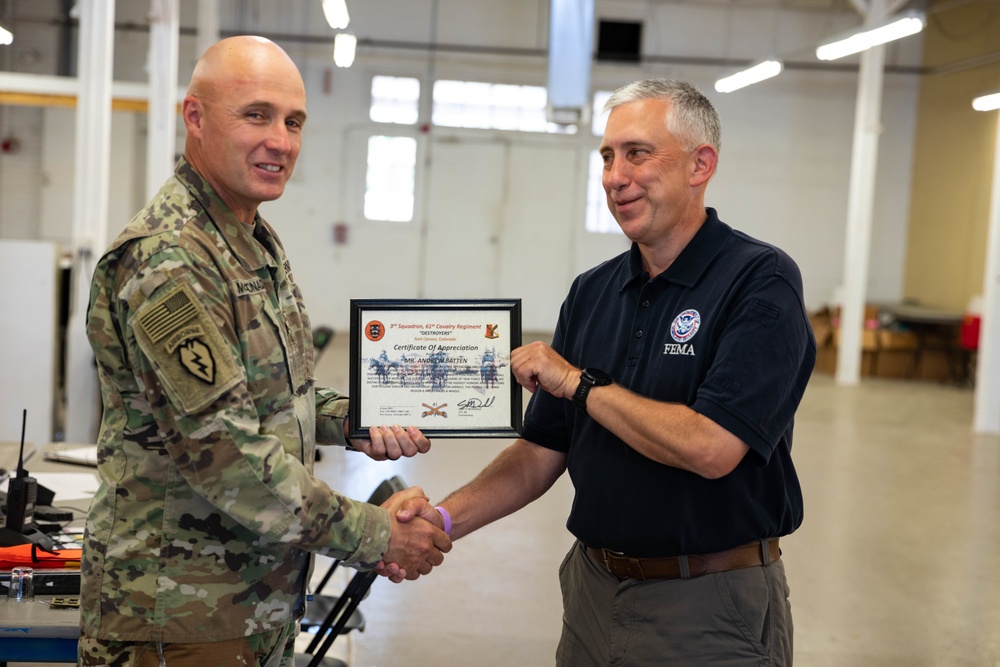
590,377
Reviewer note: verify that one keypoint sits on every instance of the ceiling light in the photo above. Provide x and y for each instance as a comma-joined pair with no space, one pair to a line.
751,75
5,36
893,28
987,102
336,13
344,46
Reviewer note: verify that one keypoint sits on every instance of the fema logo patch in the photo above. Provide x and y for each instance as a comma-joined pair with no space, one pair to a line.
685,325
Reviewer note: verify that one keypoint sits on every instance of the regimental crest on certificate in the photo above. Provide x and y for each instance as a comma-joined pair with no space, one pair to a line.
442,366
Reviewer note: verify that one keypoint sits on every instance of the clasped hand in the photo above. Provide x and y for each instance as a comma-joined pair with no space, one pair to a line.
417,543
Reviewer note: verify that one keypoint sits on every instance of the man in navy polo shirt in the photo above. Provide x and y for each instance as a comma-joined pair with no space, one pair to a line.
668,393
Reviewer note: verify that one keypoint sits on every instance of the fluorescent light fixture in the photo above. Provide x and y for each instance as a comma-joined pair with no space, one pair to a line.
344,46
987,102
751,75
336,13
894,28
6,37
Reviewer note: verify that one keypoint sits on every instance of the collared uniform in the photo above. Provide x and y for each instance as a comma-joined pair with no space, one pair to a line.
207,507
723,331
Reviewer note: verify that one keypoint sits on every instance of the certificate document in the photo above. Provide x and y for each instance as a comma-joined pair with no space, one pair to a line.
442,366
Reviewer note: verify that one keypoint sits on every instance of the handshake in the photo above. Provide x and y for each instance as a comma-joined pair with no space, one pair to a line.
418,541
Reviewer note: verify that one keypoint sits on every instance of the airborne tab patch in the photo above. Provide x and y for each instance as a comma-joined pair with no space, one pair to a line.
183,334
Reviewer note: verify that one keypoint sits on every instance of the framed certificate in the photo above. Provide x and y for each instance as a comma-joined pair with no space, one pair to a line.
442,366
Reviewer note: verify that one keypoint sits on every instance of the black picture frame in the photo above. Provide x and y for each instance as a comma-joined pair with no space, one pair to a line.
442,365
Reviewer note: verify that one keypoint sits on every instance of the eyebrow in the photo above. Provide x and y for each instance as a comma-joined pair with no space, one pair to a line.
299,114
625,145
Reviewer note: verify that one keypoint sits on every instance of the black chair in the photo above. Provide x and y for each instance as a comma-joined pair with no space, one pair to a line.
321,338
333,616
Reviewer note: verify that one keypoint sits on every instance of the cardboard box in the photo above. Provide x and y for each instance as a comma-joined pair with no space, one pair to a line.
897,357
885,353
869,340
826,360
934,365
891,339
828,339
895,364
822,328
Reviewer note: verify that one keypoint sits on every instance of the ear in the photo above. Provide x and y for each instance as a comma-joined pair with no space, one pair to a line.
705,161
193,114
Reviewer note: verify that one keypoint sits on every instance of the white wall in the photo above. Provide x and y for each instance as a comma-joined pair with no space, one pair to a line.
19,203
55,177
28,333
783,173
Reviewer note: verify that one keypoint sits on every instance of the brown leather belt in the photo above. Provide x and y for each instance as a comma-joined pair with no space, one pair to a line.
763,552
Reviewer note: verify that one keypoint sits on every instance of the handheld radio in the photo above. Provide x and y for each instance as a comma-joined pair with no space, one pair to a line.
22,492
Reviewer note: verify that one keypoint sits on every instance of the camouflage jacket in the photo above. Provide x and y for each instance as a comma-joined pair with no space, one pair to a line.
207,505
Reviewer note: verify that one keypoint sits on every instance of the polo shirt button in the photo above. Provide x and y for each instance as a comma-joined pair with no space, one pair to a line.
638,334
645,303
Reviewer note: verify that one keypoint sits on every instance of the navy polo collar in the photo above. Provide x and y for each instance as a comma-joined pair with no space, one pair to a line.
689,266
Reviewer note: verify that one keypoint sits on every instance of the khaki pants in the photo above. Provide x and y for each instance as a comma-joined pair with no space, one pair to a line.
275,648
730,619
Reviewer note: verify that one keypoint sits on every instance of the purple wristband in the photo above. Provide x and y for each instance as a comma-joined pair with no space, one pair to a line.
447,519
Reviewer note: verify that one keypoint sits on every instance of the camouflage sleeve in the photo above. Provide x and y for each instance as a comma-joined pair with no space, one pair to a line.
331,408
185,353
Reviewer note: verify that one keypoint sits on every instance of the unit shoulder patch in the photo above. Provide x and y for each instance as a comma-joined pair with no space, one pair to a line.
190,357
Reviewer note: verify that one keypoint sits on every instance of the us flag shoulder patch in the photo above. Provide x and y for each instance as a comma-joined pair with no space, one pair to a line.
173,310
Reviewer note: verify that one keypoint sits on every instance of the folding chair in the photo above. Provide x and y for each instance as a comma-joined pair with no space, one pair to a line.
321,338
333,615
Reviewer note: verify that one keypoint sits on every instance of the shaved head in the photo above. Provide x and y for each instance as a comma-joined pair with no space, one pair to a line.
243,56
244,111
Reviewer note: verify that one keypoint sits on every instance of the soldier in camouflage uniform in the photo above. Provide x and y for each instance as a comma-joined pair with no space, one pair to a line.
197,544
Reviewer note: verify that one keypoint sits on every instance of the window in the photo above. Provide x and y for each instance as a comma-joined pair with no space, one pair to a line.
389,184
492,106
599,118
395,100
599,219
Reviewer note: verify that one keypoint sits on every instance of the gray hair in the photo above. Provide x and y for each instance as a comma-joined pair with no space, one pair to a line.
691,117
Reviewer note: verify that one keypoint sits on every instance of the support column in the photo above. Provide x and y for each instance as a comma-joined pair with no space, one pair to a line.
90,223
986,415
161,138
860,207
208,26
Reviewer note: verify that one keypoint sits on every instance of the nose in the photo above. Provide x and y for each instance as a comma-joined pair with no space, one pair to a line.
615,175
278,138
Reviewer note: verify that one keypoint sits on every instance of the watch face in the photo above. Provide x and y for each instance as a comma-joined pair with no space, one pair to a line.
598,376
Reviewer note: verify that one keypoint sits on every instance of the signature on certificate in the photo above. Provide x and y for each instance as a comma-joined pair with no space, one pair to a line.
476,403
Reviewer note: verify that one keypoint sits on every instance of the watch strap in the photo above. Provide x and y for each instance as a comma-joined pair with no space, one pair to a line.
588,380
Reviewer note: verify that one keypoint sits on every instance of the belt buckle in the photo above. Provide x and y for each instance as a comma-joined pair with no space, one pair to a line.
610,552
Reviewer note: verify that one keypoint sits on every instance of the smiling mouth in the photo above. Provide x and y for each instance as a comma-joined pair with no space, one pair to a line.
273,168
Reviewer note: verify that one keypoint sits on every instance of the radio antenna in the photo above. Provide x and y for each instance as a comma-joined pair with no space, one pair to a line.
20,457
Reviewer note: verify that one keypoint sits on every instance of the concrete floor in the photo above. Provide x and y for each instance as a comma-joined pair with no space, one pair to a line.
897,562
